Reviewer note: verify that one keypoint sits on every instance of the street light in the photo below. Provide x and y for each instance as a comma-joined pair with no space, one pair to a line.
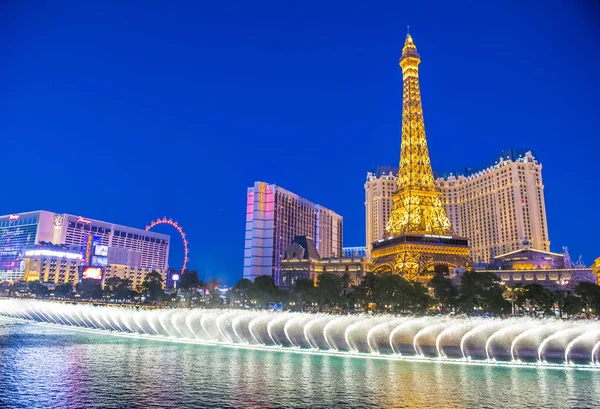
175,278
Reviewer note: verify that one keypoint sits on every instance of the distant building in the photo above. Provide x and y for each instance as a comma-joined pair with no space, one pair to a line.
527,266
274,216
302,260
360,251
497,209
379,192
299,261
52,264
129,252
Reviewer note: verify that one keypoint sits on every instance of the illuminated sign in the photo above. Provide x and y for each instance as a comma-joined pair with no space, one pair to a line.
98,261
94,273
13,217
53,253
58,221
101,250
438,237
88,248
261,197
81,219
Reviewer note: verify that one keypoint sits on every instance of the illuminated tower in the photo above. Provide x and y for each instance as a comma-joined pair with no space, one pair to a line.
419,236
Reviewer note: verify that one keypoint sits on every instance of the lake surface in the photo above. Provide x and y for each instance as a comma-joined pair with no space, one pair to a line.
44,367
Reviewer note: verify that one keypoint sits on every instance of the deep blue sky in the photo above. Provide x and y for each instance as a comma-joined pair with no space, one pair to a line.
128,111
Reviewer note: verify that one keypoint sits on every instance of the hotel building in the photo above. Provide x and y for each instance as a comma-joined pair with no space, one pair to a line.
131,252
500,209
274,216
379,192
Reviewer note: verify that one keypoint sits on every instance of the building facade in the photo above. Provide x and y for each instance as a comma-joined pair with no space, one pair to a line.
555,271
360,251
130,251
274,216
52,264
301,260
379,193
19,231
498,208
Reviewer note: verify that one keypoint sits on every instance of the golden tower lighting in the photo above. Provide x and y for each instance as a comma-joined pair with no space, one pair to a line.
419,236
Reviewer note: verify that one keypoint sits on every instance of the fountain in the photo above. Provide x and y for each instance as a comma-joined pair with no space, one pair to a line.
513,341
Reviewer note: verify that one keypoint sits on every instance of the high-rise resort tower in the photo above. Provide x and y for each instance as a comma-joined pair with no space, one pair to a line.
419,240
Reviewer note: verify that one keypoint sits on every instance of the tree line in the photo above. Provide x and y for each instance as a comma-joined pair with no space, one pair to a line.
478,293
150,290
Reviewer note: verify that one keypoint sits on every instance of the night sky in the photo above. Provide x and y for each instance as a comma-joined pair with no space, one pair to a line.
129,111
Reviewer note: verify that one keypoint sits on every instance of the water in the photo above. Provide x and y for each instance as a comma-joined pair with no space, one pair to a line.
56,355
516,341
44,367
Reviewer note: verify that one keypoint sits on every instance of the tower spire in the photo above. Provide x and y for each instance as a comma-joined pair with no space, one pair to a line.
417,206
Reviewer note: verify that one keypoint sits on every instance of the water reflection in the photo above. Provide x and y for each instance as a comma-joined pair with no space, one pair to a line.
46,367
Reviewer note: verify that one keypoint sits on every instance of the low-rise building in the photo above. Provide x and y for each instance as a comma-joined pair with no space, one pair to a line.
360,251
302,260
52,264
528,266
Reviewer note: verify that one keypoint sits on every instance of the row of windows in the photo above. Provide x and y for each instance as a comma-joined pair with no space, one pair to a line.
116,233
21,221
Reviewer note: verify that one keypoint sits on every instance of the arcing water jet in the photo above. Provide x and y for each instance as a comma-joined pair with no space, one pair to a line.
496,341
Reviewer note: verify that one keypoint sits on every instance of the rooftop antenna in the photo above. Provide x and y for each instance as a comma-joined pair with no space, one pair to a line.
407,29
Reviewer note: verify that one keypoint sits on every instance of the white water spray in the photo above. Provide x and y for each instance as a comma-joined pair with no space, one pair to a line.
527,341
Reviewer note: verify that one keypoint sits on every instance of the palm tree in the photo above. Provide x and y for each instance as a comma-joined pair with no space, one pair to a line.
346,281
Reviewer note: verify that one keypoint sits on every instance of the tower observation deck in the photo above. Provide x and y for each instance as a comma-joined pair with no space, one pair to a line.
419,238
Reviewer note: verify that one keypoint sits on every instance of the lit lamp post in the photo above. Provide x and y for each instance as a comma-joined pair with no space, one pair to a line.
175,278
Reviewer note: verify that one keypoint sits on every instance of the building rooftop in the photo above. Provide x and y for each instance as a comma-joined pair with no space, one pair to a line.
86,220
505,156
310,250
385,170
297,196
525,250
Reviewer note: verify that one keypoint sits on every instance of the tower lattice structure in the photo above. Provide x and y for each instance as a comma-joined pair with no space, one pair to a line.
419,235
417,205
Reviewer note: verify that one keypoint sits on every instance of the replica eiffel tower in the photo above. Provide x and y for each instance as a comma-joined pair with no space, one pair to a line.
419,239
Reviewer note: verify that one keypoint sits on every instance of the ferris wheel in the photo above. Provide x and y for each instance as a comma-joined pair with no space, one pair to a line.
176,225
